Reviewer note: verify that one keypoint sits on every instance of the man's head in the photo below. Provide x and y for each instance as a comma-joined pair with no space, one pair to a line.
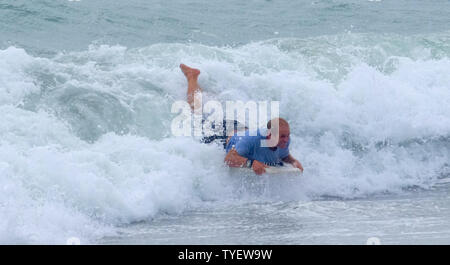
280,127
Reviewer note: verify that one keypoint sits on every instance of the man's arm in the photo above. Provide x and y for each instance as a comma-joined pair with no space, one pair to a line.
291,160
233,159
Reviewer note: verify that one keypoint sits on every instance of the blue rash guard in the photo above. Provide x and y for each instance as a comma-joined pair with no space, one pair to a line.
250,147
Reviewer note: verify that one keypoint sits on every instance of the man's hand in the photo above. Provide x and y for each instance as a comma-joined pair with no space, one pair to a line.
259,167
297,165
294,162
233,159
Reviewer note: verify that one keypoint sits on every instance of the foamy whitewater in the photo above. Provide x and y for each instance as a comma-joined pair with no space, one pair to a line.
86,149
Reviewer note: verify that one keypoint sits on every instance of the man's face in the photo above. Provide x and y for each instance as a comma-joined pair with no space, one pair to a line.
283,136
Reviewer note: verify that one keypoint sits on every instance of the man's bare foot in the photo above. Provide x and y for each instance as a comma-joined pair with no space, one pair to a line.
190,73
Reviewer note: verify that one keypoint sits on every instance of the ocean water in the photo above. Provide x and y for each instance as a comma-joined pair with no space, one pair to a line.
86,150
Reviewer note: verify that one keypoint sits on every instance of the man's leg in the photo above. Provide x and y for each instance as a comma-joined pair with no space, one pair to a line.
193,87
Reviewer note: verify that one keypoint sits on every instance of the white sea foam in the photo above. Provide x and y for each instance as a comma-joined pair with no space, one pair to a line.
85,140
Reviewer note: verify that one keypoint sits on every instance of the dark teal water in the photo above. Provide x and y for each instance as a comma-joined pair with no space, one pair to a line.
48,26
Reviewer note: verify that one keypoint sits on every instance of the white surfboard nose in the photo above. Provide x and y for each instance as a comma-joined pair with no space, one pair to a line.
287,169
